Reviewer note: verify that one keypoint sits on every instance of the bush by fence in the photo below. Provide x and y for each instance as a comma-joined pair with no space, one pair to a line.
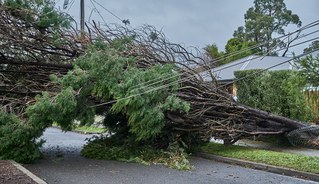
279,92
312,97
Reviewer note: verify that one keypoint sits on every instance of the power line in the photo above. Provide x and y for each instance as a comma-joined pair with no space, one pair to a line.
71,4
183,80
303,36
209,68
91,13
170,84
300,43
65,4
261,71
124,21
97,12
315,23
218,59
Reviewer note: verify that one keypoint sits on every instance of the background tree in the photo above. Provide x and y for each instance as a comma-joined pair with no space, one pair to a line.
237,48
214,55
264,20
309,68
309,65
312,47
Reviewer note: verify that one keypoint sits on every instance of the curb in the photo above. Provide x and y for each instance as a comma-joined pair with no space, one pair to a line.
27,172
263,167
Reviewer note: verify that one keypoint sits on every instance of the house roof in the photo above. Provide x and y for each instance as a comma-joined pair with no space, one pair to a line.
226,72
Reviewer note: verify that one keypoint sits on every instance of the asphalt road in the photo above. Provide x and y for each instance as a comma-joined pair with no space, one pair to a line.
62,164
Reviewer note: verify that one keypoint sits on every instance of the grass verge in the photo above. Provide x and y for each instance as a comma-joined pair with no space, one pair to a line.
85,129
89,129
288,160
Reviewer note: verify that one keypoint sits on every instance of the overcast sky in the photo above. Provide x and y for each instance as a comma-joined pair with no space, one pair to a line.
189,22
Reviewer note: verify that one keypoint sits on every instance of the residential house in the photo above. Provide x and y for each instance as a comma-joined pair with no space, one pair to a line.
225,73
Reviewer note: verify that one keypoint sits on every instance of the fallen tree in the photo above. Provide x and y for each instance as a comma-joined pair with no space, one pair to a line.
212,113
152,89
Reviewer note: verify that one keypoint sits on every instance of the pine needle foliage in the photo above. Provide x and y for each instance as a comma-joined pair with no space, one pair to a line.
108,149
105,74
136,118
42,13
17,139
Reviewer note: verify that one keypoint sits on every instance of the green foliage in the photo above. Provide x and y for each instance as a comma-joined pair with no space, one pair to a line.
41,15
289,160
279,92
103,73
264,20
89,129
237,48
212,51
61,109
312,47
111,149
137,114
18,140
249,90
146,113
310,68
40,12
18,136
215,55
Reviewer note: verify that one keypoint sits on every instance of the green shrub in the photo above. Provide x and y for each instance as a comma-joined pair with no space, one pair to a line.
279,92
17,140
42,13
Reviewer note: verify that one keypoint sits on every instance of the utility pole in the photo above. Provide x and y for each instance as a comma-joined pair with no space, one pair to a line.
82,18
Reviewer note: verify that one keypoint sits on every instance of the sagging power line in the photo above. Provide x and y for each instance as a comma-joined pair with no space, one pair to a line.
186,78
162,79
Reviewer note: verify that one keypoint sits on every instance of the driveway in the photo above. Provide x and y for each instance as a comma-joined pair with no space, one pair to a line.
62,164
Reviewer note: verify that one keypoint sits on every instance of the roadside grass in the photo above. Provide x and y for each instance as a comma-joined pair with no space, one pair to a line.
86,129
288,160
89,129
